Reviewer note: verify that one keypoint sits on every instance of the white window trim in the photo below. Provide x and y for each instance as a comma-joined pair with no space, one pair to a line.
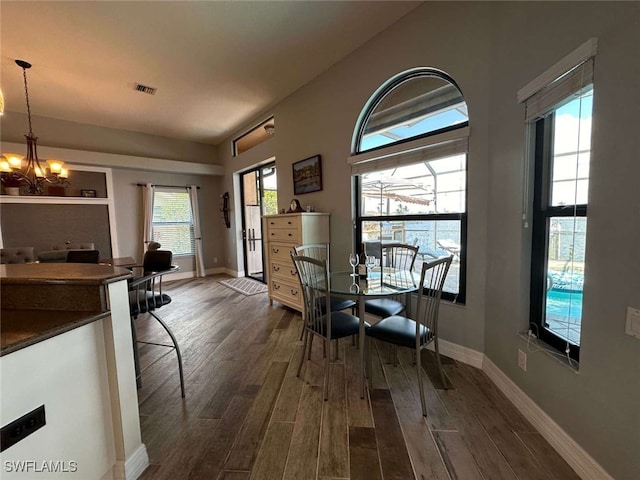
580,55
445,144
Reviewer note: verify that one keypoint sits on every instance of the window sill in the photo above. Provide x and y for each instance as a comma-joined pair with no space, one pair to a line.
534,345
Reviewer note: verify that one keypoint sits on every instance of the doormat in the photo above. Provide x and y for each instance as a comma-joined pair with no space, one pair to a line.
246,286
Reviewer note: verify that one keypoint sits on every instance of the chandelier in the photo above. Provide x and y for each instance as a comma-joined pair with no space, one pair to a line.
18,170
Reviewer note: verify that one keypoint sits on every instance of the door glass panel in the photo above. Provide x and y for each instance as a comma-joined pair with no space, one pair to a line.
259,198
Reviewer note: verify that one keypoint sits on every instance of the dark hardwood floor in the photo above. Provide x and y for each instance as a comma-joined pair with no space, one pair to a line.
247,415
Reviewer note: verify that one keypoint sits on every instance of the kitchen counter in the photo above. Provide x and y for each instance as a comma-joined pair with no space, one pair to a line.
67,351
42,300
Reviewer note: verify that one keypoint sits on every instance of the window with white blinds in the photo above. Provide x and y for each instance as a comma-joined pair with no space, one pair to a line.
173,220
410,164
558,118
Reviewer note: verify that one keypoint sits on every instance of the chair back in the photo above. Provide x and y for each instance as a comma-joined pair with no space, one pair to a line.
83,256
157,261
74,246
399,256
319,251
432,280
314,282
17,255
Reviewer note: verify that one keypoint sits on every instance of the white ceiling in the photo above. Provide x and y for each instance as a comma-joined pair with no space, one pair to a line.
216,64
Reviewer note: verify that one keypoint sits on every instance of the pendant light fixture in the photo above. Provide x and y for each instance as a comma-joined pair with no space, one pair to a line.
27,171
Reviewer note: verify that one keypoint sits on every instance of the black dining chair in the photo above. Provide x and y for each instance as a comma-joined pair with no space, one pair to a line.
314,281
146,296
83,256
320,251
398,256
421,330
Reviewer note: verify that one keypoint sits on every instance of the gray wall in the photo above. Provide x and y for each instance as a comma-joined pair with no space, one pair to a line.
486,48
63,134
129,212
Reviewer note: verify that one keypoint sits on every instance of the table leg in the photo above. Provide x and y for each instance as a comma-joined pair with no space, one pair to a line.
361,341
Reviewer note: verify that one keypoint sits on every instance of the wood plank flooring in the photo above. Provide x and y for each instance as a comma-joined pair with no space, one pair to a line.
247,416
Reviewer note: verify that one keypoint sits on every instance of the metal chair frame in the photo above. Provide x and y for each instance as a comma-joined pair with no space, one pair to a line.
145,296
426,320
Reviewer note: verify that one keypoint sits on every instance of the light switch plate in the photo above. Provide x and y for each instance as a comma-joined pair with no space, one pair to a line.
633,322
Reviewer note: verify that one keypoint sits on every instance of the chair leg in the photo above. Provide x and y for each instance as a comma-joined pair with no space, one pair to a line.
312,336
445,383
327,362
368,347
177,348
304,350
423,402
303,329
136,354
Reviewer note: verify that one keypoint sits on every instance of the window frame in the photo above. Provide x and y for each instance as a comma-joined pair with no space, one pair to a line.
191,224
542,212
438,138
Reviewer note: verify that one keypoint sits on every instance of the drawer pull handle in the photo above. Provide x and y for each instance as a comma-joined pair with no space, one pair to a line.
276,286
294,292
288,223
293,272
276,268
275,250
289,234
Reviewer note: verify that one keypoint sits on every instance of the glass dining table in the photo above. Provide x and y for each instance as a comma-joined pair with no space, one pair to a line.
379,283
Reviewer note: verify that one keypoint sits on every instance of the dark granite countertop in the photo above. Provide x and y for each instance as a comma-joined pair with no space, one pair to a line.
70,273
23,328
42,300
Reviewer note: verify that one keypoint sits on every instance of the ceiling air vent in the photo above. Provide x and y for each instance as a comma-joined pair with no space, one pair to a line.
144,89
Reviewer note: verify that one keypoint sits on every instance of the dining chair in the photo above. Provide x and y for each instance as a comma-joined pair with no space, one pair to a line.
320,251
398,256
17,255
146,296
314,281
83,256
419,331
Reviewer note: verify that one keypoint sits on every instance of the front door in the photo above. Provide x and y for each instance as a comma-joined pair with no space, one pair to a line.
259,197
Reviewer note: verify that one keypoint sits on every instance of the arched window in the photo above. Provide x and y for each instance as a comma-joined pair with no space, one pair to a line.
409,162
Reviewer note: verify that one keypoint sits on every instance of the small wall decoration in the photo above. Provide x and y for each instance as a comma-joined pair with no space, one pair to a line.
88,193
307,175
225,209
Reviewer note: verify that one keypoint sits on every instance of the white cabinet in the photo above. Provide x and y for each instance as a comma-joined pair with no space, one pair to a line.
282,233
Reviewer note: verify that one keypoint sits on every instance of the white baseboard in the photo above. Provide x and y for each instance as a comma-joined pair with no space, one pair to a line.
460,353
581,462
225,270
136,463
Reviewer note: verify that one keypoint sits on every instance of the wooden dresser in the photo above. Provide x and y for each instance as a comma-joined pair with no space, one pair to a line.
282,233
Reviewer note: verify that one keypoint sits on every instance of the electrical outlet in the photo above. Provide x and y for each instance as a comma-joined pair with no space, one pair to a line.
633,322
522,360
24,426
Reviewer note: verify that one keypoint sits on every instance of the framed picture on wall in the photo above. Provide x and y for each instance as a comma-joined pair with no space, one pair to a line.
88,193
307,175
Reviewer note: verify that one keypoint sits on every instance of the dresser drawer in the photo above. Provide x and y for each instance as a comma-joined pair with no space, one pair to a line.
284,234
285,292
284,271
283,222
280,252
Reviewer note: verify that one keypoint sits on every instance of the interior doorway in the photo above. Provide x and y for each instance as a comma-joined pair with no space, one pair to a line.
259,197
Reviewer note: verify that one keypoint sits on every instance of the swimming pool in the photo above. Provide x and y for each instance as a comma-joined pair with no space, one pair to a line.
564,304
